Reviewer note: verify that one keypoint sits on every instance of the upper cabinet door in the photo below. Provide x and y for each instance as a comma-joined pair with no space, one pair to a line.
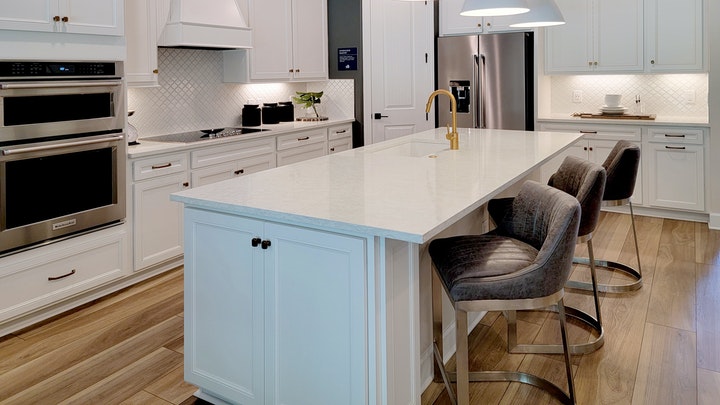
99,17
310,39
271,55
452,23
569,47
599,36
290,43
618,35
28,15
674,36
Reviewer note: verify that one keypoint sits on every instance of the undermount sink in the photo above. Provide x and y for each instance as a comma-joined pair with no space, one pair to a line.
415,148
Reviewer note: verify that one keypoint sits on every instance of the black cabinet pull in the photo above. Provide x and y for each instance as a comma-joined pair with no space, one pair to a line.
265,244
241,171
61,277
255,242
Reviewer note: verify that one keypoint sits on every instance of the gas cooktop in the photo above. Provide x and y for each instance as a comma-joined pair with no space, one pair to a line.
204,134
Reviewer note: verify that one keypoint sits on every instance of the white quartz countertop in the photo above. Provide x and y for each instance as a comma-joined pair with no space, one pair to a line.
148,147
390,189
667,121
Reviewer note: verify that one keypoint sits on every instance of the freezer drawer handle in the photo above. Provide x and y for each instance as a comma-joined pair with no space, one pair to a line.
379,116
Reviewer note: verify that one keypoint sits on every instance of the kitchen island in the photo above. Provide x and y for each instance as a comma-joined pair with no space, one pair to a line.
309,283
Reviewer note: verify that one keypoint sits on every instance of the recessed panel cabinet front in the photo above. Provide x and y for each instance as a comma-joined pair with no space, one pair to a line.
275,314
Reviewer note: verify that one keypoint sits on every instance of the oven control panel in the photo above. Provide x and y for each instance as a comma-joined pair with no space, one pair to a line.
38,69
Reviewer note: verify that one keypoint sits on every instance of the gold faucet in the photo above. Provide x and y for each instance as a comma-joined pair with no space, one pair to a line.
451,136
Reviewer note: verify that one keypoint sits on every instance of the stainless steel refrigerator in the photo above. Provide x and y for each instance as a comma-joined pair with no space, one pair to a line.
491,77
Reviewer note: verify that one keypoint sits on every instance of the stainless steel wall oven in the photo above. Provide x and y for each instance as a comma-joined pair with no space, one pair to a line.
62,150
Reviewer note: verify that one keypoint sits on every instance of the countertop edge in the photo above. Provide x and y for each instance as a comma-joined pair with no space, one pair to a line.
149,148
658,121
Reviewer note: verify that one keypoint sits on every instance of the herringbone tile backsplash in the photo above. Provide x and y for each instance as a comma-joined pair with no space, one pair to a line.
192,95
664,95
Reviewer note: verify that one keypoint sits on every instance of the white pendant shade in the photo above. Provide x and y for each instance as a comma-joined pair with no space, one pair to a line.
487,8
543,13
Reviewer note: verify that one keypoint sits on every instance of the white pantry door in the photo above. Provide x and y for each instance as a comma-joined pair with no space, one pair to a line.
401,64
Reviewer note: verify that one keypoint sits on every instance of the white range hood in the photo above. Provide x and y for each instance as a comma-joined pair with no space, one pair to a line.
202,24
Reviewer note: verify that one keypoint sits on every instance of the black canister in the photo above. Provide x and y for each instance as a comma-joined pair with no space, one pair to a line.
250,115
269,113
286,111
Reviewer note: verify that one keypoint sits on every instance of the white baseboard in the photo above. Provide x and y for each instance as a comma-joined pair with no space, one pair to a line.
714,221
427,357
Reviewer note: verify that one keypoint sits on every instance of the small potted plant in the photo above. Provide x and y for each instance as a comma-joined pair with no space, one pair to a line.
309,101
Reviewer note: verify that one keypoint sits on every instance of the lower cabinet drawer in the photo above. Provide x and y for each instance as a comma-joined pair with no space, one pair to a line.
26,285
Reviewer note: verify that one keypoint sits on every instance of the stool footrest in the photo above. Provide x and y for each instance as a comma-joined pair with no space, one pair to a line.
611,288
501,376
578,348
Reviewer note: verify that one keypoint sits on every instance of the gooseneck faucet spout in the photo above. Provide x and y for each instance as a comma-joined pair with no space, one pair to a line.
451,136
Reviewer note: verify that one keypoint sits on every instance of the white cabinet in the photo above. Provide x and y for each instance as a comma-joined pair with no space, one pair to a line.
675,163
298,146
283,340
141,65
339,138
674,36
599,36
99,17
211,165
41,277
157,220
452,23
290,43
597,142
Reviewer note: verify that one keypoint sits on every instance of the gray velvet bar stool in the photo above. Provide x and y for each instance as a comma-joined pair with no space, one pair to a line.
585,181
621,167
524,263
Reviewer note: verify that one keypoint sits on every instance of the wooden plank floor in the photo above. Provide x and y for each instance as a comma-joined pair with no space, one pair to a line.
662,343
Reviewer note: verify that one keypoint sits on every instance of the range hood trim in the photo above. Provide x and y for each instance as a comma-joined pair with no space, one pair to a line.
177,32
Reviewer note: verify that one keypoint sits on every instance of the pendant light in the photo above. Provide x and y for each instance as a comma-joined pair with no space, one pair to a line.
543,13
488,8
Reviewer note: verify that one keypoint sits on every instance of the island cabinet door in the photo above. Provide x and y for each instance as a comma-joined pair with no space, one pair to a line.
224,338
315,321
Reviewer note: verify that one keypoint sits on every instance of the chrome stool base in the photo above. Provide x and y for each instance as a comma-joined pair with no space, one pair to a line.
504,376
636,275
610,288
578,348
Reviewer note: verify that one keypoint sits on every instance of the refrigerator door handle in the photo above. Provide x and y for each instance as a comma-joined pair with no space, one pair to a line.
482,121
476,92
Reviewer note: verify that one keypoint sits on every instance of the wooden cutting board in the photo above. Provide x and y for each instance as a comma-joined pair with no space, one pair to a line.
616,116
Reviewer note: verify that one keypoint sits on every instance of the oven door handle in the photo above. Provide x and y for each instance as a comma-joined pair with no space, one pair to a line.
17,151
58,85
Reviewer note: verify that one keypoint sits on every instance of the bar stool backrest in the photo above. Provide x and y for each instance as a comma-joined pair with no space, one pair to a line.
621,166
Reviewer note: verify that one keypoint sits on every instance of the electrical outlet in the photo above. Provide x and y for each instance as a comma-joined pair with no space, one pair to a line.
689,96
577,96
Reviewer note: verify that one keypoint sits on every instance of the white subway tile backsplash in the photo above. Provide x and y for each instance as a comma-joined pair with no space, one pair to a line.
192,95
664,95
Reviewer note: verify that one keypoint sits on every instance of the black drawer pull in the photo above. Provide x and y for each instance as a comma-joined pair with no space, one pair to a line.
161,166
304,138
675,147
675,135
341,132
588,132
61,277
241,171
